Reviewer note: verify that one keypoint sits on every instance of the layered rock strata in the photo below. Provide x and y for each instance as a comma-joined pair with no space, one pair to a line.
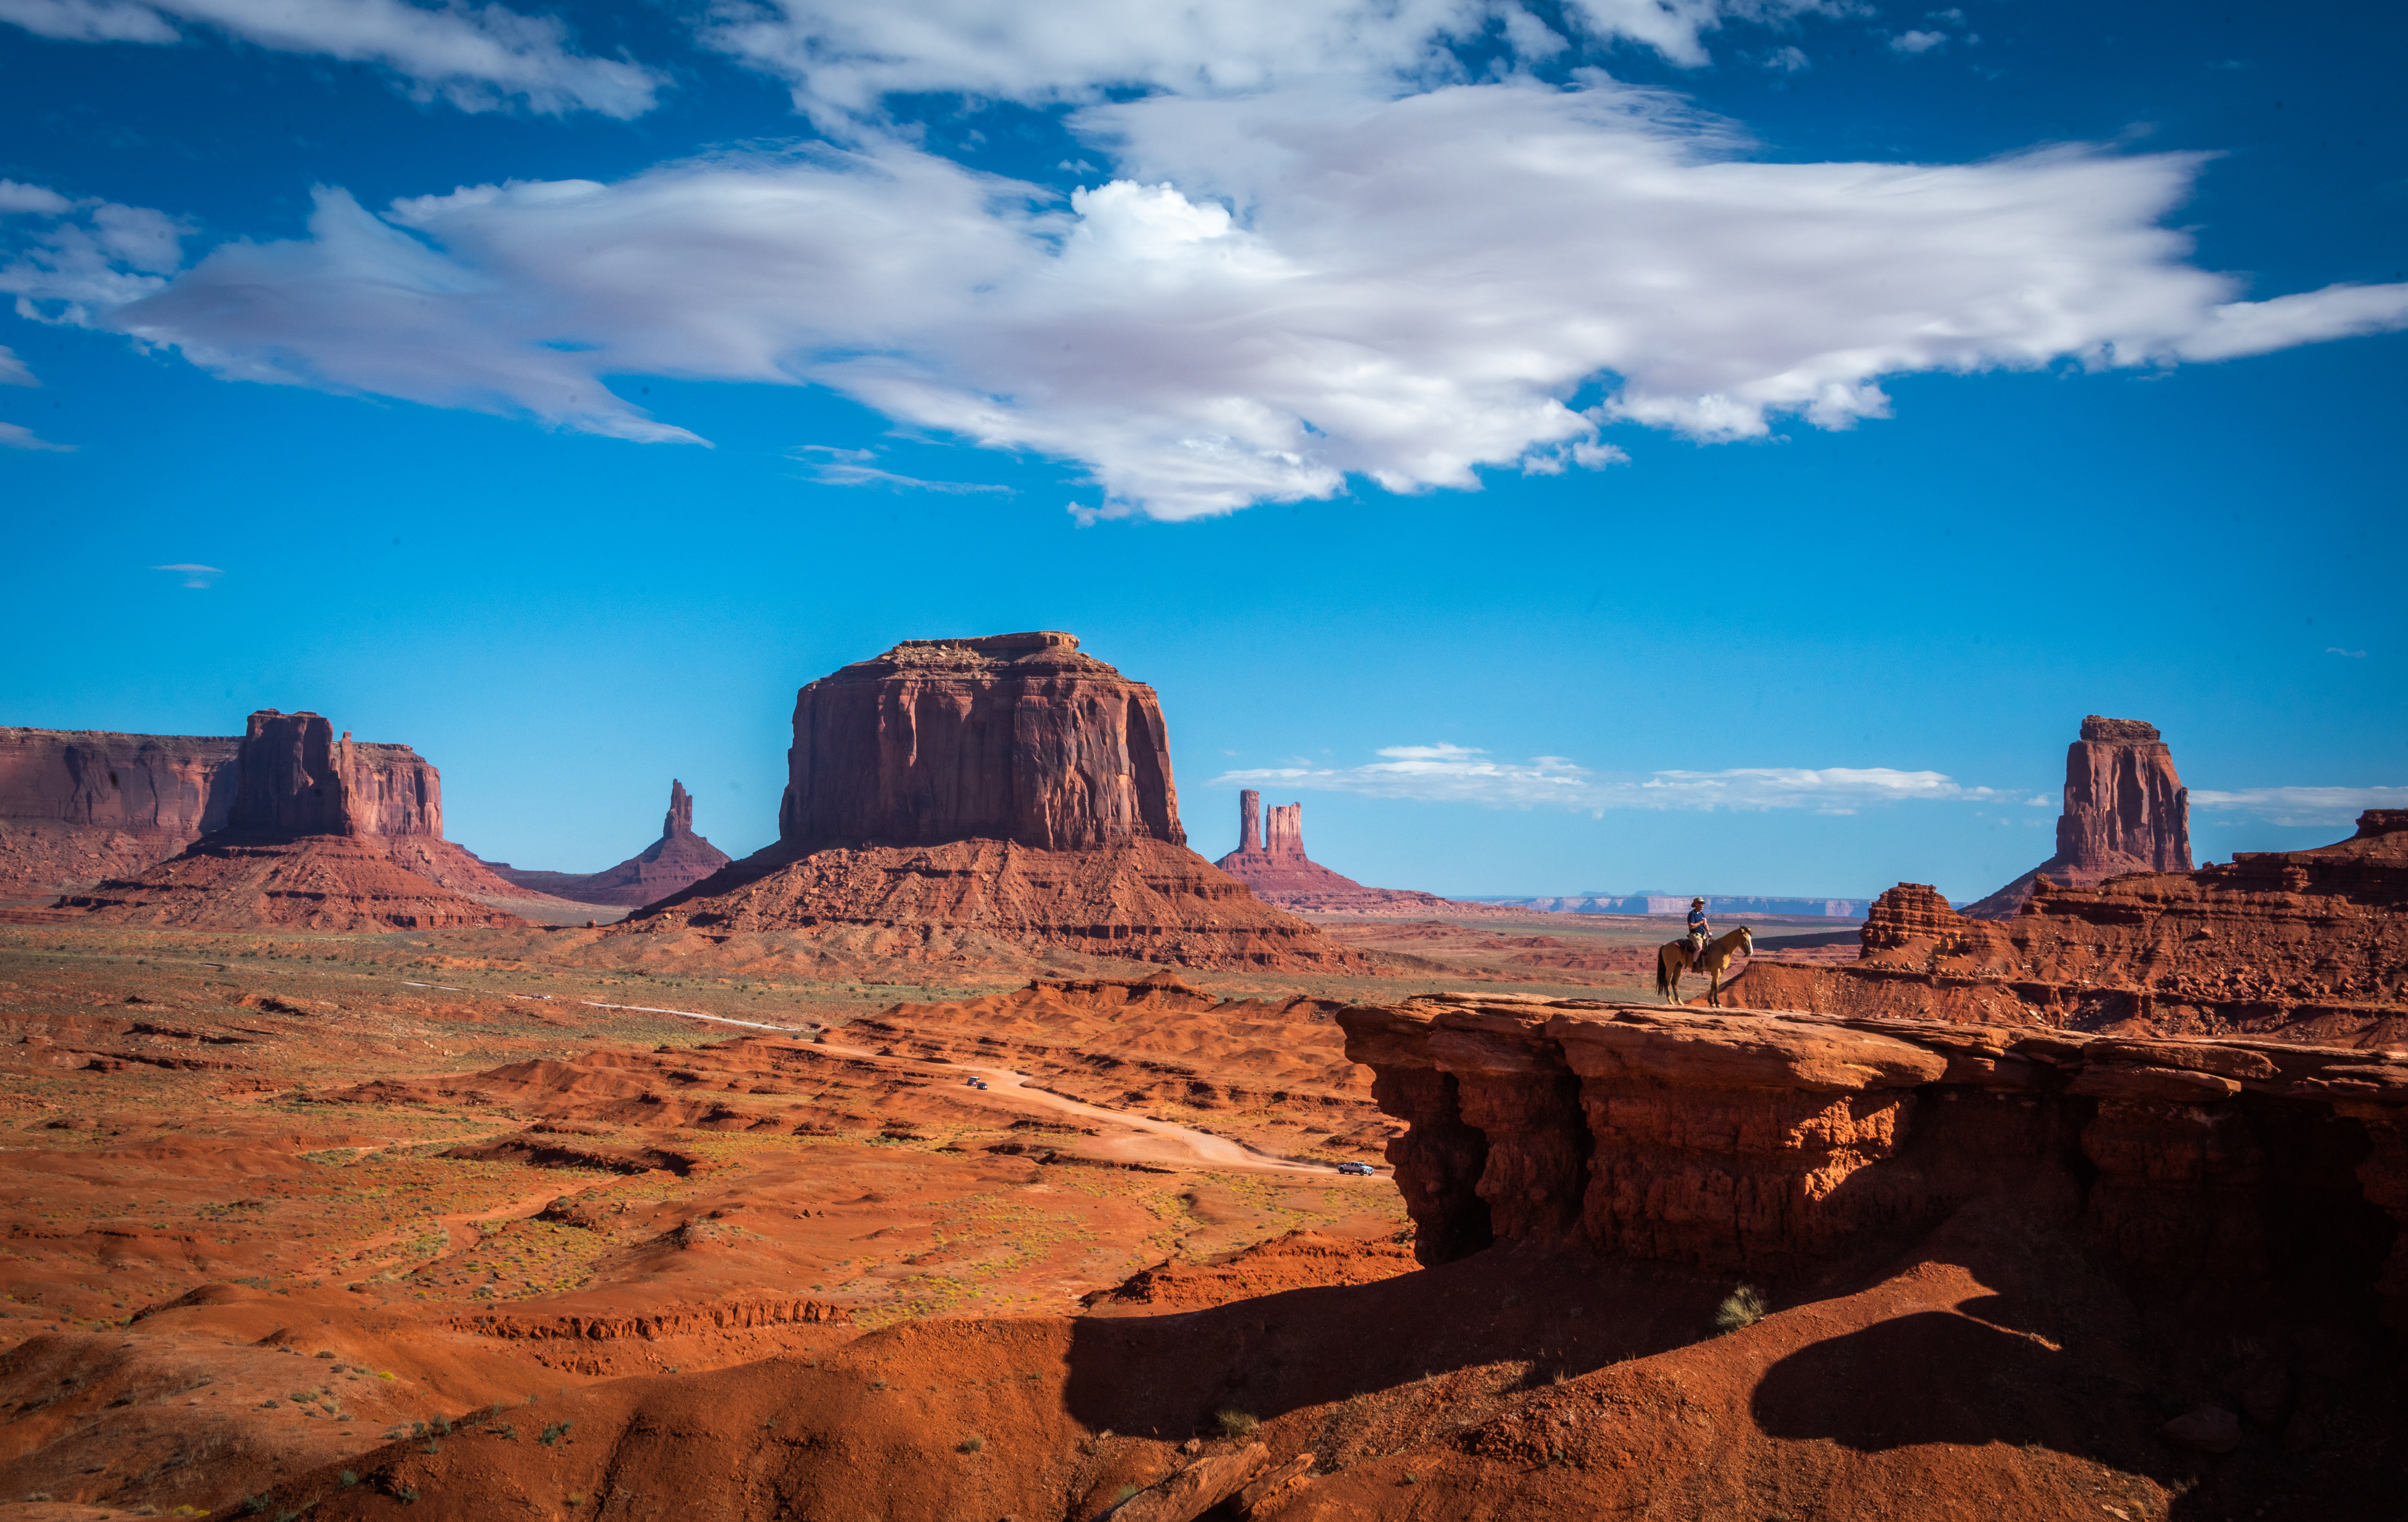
1776,1145
2314,944
319,833
2125,810
1275,866
79,805
678,860
1007,787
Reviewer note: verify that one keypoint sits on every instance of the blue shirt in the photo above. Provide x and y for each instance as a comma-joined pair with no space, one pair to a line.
1698,919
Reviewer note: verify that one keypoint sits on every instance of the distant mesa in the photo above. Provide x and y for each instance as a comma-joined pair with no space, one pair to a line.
1000,790
678,860
315,833
1719,905
1270,859
2125,810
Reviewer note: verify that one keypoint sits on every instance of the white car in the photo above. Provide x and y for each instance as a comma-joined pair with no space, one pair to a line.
1360,1169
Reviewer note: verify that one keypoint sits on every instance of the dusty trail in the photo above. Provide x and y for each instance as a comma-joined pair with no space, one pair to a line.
1160,1142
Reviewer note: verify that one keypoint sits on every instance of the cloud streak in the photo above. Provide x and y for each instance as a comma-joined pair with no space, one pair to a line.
475,57
17,435
1461,774
2303,806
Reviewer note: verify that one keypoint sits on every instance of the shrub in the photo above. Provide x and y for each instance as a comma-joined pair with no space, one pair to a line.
970,1444
348,1480
554,1433
1742,1307
1235,1424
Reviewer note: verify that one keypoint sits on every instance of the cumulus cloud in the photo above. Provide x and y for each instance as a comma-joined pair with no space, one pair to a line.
2303,805
476,57
1917,42
17,435
843,59
1464,774
1277,292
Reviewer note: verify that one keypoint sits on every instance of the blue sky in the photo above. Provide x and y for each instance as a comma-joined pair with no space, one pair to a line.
1709,447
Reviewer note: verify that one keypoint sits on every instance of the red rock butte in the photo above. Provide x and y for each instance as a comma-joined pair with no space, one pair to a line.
2125,810
678,860
1270,859
320,834
1005,786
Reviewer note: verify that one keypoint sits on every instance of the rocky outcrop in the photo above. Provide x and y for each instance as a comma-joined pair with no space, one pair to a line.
317,834
79,805
1009,737
953,796
2310,944
2125,810
676,860
1277,868
1775,1145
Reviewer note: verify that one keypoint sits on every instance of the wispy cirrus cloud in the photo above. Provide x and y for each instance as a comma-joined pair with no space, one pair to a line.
200,578
1464,774
2303,806
17,435
15,371
475,57
834,466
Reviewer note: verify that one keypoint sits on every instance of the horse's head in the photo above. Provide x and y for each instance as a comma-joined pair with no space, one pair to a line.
1746,942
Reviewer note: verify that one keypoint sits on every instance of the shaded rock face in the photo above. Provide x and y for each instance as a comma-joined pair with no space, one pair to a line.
1277,868
676,860
295,778
2125,810
319,833
1781,1145
959,797
2311,943
78,805
1010,737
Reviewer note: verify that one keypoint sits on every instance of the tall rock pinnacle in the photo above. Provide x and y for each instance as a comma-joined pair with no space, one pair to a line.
2125,810
680,819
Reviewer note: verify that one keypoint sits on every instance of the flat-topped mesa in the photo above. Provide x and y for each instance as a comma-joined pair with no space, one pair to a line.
1008,736
679,859
1745,1143
318,833
79,805
950,793
293,778
2125,810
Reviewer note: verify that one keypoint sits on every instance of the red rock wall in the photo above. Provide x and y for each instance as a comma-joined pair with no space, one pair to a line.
295,778
1786,1145
1013,736
1283,833
2125,810
2310,943
177,784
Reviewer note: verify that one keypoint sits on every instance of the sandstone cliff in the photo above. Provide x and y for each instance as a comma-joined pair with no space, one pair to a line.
2310,944
1780,1145
676,860
1005,787
2125,810
317,833
1011,737
1277,868
78,805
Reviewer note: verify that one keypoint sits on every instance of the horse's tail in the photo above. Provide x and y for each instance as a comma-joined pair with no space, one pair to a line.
1663,975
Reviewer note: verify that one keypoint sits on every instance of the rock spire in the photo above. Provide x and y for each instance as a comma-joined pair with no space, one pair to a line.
2125,810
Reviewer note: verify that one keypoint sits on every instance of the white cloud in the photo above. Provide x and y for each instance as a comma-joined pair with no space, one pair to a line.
1916,42
476,57
2352,654
1788,61
833,467
17,435
1275,293
202,577
2304,805
1461,774
67,261
15,371
842,59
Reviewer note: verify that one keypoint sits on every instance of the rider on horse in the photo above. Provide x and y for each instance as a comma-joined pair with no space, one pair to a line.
1700,933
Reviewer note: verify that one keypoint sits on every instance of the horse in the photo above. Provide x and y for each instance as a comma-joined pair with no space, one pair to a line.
1673,960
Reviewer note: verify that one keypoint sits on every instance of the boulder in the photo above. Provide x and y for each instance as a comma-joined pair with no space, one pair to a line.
2210,1430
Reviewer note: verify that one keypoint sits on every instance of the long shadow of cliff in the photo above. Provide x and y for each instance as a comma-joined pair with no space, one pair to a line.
1167,1375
